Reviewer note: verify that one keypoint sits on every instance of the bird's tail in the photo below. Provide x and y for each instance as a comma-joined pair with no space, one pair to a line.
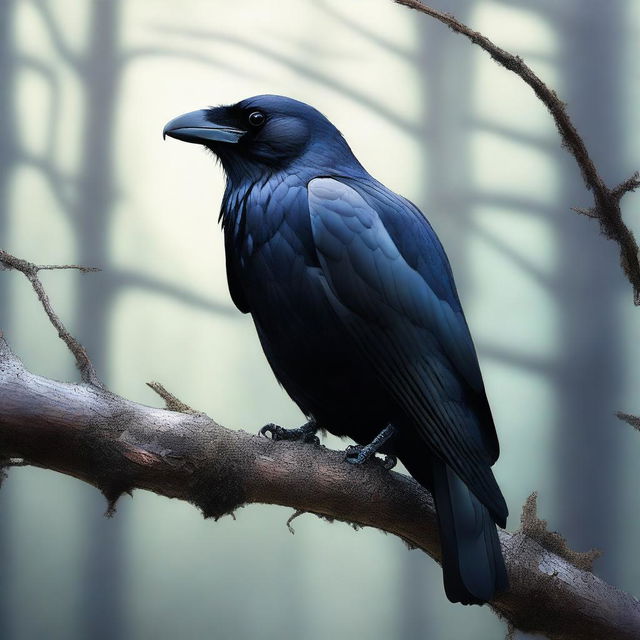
472,562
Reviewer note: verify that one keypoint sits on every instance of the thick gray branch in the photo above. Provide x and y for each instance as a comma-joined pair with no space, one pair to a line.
117,445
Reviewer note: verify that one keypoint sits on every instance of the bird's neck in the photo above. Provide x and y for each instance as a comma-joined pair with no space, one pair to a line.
318,160
332,156
240,171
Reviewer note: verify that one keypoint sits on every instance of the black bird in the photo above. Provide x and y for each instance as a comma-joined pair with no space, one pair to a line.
356,309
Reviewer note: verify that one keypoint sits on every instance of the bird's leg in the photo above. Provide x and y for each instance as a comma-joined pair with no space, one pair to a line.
358,454
306,433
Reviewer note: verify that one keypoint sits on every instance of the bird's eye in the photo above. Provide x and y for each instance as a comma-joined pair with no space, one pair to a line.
256,118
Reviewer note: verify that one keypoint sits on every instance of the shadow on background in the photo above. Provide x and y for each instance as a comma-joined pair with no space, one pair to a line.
7,160
588,286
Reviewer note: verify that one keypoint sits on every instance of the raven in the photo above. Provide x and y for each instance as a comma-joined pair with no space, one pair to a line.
357,312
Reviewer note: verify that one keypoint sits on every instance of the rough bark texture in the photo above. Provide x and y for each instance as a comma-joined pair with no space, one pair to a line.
117,445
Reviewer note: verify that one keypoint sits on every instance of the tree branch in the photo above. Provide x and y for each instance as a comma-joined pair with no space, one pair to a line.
634,421
117,445
607,200
170,401
31,270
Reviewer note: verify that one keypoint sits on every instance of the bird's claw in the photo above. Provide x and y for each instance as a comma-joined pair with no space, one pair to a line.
389,462
276,432
359,454
356,454
304,434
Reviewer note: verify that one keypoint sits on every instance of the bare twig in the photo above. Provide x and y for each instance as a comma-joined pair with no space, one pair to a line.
607,201
76,267
629,419
296,514
171,402
118,445
30,270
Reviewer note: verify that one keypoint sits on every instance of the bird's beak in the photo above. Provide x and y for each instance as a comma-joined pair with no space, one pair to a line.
195,127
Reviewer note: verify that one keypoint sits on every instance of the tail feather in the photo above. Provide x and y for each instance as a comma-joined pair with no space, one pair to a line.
472,561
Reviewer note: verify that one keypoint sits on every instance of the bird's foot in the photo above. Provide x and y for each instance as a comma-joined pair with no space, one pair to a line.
359,454
306,433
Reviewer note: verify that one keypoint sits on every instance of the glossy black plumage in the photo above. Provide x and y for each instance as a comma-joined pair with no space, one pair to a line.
357,312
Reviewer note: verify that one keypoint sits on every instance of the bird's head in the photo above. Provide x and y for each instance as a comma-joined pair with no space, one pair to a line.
262,134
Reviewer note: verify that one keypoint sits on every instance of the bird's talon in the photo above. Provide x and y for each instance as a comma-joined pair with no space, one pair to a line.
355,454
359,454
305,434
273,429
389,462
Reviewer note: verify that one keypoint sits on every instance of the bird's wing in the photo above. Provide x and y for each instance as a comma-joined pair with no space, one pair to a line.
233,273
417,341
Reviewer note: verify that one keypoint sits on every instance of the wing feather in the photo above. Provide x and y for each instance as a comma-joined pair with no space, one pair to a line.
417,342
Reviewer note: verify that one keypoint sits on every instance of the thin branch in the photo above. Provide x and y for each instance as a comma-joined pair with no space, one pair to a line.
630,184
607,201
629,419
171,402
75,267
590,213
31,270
118,446
296,514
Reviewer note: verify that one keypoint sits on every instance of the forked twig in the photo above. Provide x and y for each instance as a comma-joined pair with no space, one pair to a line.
30,270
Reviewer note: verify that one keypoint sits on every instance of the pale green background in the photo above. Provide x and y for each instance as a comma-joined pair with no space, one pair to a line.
86,88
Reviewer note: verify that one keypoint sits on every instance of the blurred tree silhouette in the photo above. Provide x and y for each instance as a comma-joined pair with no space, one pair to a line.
88,199
586,369
7,160
589,376
88,203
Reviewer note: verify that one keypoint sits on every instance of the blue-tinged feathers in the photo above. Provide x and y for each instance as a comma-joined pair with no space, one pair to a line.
357,312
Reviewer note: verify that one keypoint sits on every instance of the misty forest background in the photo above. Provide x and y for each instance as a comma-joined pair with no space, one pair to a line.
85,177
